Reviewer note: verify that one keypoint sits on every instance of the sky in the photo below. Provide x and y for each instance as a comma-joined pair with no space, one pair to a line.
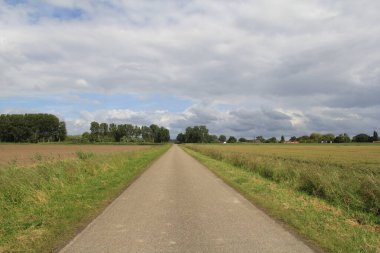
243,68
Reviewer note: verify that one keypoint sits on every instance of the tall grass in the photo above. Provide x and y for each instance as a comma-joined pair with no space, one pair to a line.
350,186
43,206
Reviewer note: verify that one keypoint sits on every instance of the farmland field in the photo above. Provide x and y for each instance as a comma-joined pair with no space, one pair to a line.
364,156
25,154
330,193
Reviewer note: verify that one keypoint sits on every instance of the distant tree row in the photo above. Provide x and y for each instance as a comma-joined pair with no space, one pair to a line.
103,132
321,138
31,128
341,138
196,134
200,134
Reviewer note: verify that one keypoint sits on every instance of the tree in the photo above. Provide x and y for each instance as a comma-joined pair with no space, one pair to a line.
342,138
94,128
47,126
196,134
112,131
137,132
181,138
31,128
192,135
62,132
222,138
232,139
155,132
293,138
212,139
328,137
103,129
375,137
242,139
272,140
315,137
129,132
164,135
147,134
304,139
86,137
361,138
282,139
159,134
122,132
204,134
260,139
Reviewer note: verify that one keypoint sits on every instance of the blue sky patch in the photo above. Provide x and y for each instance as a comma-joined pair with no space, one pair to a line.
127,101
15,2
43,10
71,105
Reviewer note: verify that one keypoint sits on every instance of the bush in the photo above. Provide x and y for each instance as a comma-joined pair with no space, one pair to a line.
369,192
84,155
312,184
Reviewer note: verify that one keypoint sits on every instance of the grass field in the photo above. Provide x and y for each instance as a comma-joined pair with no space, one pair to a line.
43,205
329,193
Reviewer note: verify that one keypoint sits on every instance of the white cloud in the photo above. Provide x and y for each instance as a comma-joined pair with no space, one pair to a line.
296,56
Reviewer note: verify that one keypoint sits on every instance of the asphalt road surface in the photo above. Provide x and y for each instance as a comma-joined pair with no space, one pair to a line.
178,205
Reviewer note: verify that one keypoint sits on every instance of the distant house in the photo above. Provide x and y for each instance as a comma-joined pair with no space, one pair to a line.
291,142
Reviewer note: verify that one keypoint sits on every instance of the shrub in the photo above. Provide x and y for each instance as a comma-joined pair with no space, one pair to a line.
84,155
369,192
311,184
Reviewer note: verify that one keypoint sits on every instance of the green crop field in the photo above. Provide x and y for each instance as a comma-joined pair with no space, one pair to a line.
330,193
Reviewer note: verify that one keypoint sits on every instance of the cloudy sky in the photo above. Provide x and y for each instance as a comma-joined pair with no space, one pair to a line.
242,68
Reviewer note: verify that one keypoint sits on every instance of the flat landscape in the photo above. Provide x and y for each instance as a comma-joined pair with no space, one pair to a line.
327,193
26,154
190,126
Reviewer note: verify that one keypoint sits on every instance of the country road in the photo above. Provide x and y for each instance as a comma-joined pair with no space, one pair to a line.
178,205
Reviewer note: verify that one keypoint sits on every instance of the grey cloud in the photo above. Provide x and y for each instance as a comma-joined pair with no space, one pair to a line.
237,122
341,122
261,122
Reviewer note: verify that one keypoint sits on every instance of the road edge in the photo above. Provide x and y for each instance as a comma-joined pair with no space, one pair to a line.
293,231
88,223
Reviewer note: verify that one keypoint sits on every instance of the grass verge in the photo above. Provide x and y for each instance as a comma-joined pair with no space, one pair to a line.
43,206
327,226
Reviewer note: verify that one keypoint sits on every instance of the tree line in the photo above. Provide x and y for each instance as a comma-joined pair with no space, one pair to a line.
31,128
331,138
200,134
104,132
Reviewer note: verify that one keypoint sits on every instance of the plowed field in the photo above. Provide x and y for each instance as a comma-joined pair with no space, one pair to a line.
26,154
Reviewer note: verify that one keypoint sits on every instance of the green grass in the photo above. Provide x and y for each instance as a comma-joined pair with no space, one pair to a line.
272,183
344,176
44,206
